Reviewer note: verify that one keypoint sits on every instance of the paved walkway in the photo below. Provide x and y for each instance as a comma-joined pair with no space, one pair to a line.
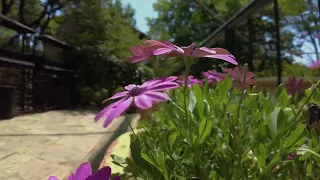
33,147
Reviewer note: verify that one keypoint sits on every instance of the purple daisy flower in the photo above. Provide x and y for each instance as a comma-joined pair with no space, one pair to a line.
212,76
84,172
141,96
315,65
191,81
167,49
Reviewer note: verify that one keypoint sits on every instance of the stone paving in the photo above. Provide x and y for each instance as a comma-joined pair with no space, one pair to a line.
35,146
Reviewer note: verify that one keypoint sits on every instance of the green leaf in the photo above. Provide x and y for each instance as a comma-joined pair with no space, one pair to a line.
262,155
118,160
171,139
205,129
295,135
192,101
147,158
197,90
273,121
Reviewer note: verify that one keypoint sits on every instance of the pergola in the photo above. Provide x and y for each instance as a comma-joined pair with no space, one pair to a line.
36,69
230,34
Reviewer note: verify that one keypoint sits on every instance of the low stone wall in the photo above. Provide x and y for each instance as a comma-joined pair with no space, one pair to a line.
269,84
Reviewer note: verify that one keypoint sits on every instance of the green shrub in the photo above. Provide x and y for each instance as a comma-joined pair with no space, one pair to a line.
226,134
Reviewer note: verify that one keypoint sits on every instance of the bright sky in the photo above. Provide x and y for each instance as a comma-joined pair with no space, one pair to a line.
143,9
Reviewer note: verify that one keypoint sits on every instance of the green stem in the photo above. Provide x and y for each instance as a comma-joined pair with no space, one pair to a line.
243,90
127,119
185,90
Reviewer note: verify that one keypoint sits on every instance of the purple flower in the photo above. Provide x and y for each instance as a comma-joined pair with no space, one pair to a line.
237,75
84,172
293,85
291,156
213,76
167,49
191,81
315,65
142,96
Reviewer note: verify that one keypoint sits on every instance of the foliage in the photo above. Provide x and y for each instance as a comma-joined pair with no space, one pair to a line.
226,134
101,35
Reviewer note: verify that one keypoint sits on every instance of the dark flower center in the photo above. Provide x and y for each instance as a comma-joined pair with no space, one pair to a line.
135,91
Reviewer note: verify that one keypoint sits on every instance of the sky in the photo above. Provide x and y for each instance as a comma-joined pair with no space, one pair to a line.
143,9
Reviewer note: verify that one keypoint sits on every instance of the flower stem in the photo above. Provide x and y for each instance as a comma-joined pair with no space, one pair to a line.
243,89
127,119
185,90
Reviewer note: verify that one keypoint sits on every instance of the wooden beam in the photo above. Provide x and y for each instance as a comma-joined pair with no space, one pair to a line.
15,25
54,41
240,17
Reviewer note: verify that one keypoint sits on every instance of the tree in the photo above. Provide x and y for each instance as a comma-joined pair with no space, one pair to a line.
185,22
102,32
303,17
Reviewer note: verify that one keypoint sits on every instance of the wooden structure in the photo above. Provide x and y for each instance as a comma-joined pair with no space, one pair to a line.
227,31
40,83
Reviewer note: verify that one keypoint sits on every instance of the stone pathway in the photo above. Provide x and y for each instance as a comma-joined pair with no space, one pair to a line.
33,147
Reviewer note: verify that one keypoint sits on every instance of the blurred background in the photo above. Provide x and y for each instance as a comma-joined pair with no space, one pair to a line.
59,53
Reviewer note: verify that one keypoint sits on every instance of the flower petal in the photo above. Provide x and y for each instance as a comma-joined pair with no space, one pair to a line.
53,178
116,96
157,96
188,50
129,87
117,111
228,58
83,171
137,50
163,86
134,59
71,177
104,111
143,101
161,51
103,173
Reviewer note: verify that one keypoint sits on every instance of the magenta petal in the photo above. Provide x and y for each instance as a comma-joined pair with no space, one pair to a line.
250,75
83,171
53,178
161,51
163,86
117,95
105,110
129,87
135,59
143,101
157,96
227,58
137,50
211,51
117,111
71,177
117,178
171,78
103,174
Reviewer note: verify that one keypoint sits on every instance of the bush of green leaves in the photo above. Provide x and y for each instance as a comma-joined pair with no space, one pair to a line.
226,133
